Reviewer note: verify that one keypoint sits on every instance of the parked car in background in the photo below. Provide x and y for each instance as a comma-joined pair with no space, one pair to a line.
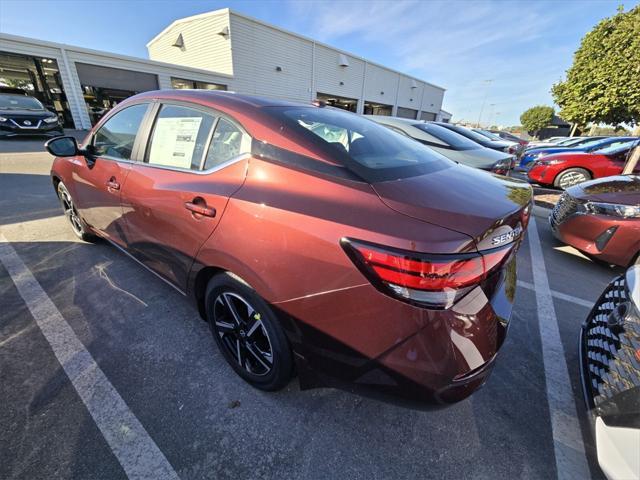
510,137
499,145
296,228
515,147
24,115
549,142
562,141
563,170
450,144
526,161
601,218
610,373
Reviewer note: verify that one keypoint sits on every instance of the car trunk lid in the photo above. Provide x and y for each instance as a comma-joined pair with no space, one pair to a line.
491,209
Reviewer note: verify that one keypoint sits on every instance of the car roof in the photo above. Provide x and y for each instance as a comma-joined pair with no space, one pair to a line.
396,120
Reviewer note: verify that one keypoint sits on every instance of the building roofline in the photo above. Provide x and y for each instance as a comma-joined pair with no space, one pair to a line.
73,48
230,12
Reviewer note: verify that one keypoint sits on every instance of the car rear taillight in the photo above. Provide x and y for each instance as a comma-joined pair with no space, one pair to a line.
434,281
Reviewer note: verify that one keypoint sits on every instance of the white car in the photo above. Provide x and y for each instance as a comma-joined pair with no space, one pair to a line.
449,143
610,353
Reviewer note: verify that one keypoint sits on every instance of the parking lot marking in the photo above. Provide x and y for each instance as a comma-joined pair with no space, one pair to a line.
139,456
571,460
559,295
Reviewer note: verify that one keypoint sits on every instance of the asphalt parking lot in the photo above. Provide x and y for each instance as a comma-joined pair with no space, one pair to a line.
196,419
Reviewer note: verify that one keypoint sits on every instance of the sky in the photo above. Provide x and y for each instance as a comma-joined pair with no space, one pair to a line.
504,54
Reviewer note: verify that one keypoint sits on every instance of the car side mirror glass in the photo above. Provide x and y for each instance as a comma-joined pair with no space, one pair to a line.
62,147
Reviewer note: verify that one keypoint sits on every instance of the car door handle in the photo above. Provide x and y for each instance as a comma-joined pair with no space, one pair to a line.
113,185
200,209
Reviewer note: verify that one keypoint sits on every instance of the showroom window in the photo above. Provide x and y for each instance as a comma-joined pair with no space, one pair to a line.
227,143
371,108
117,136
38,77
407,113
349,104
181,84
180,137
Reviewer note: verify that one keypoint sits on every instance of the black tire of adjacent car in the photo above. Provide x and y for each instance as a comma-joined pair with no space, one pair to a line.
78,226
282,358
569,173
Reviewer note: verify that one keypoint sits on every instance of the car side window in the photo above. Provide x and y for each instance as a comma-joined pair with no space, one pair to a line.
180,136
227,143
117,136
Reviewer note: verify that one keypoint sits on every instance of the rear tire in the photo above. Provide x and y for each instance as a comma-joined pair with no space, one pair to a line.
570,177
248,333
78,226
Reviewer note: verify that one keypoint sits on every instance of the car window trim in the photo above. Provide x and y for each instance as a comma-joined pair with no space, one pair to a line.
136,142
217,115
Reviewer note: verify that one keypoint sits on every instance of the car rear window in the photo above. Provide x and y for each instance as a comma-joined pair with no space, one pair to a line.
617,148
453,139
370,150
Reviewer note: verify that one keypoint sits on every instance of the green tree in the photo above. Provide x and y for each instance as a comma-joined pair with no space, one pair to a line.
603,84
536,118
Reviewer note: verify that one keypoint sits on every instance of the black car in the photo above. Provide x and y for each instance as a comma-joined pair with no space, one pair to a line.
24,115
501,146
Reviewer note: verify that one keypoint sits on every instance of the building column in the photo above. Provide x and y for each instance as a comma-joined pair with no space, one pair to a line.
73,92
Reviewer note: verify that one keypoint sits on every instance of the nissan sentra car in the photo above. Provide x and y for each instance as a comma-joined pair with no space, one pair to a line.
310,238
563,170
450,144
24,115
602,219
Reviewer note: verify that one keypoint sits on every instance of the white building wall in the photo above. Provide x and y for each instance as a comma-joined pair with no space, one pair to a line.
410,93
328,74
203,46
381,85
432,99
257,53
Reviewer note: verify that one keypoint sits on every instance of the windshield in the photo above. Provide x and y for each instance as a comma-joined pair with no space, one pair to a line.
617,148
573,141
476,137
452,139
489,135
19,102
369,149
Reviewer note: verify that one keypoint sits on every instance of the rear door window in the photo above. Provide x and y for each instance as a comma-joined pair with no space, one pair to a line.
180,137
227,143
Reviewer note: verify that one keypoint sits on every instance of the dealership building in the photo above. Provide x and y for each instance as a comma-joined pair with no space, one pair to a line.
219,50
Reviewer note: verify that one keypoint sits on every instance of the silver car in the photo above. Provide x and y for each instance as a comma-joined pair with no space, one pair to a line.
450,144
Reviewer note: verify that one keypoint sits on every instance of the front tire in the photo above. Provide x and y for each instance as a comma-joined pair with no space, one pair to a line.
248,333
570,177
73,217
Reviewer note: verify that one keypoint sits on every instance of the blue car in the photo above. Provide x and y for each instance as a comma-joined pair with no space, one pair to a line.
530,156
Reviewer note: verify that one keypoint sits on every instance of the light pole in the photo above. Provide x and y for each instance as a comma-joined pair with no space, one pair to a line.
488,82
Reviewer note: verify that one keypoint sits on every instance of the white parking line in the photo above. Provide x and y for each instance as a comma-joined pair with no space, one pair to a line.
559,295
571,460
139,456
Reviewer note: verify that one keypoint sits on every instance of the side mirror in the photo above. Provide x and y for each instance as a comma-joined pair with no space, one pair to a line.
62,147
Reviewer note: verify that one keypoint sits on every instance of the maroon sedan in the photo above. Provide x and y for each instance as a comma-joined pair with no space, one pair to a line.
311,238
602,219
564,170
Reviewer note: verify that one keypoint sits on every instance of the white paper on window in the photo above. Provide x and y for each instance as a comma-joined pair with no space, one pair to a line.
174,140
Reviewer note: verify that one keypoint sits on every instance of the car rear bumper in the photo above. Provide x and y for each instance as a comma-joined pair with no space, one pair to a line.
606,238
380,347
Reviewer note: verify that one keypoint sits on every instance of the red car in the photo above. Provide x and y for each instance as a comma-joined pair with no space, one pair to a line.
564,170
310,237
601,218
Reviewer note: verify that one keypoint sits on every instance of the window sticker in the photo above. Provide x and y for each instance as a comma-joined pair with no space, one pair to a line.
174,140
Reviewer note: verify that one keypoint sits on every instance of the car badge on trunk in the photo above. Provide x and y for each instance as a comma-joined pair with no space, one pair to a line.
27,122
506,237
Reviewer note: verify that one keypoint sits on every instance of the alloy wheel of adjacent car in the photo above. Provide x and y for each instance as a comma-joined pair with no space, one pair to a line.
72,215
248,333
571,177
